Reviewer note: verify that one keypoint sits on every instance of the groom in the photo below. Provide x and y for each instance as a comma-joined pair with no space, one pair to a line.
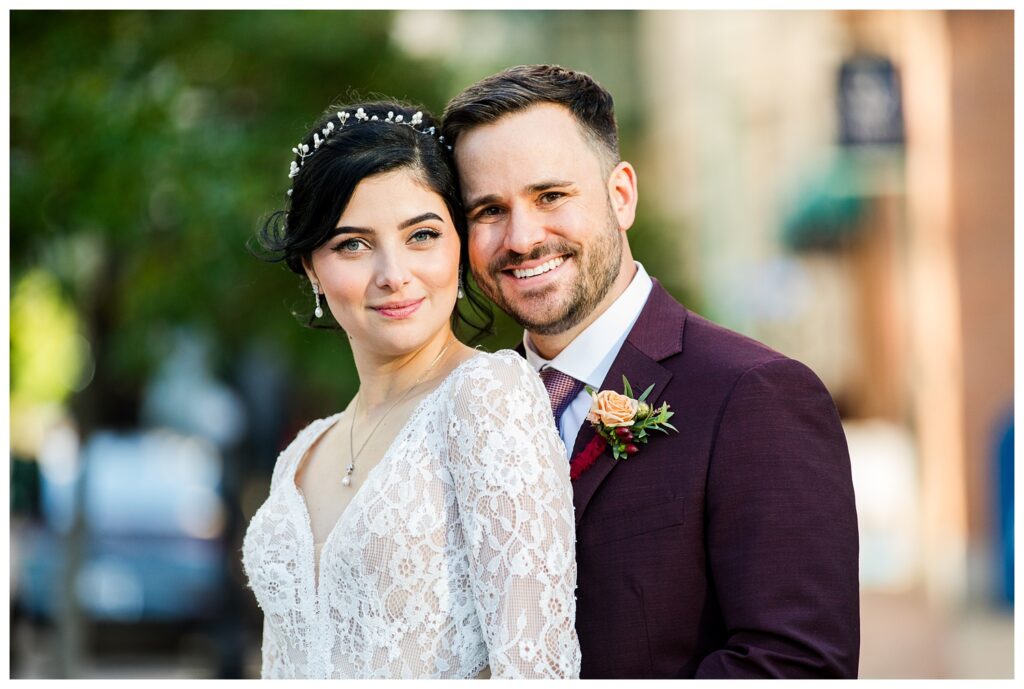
728,549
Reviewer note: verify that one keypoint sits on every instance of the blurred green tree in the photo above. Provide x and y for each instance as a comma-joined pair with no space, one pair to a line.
146,147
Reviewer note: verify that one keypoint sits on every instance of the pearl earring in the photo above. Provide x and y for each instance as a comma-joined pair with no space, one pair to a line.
318,312
461,292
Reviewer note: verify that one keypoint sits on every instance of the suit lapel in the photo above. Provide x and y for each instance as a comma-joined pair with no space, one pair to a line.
641,371
657,334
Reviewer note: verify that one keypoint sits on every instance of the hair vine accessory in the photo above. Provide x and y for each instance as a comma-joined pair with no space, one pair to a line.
320,138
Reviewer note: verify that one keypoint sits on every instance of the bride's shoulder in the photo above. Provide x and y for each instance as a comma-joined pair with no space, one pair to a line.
301,442
491,376
495,399
313,430
504,365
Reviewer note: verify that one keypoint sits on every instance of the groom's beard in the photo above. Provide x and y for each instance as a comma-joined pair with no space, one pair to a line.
546,312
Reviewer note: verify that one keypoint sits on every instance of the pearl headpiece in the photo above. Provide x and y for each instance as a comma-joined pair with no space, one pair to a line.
320,138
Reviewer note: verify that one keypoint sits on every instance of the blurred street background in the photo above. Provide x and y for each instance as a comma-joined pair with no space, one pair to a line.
837,184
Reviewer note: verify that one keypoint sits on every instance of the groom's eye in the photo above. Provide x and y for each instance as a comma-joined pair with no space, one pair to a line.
488,214
551,196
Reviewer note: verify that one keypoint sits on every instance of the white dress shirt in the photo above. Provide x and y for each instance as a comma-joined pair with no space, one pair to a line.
590,355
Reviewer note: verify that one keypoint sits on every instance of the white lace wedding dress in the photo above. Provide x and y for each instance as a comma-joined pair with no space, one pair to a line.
457,552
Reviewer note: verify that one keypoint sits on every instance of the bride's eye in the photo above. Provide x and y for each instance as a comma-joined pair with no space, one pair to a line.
424,235
350,245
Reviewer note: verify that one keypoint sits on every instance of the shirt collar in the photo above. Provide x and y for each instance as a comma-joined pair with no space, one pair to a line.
590,355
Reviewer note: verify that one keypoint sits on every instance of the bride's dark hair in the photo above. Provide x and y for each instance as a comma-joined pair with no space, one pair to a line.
349,154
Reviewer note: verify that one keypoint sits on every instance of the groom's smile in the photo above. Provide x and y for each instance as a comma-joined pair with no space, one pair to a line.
542,266
526,272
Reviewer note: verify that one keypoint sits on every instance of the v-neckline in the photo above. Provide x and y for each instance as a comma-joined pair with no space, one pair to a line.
335,420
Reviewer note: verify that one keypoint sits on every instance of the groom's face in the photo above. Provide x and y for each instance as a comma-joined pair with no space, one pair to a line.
544,242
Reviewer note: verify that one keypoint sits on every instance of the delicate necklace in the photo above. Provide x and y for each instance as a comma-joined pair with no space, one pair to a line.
347,480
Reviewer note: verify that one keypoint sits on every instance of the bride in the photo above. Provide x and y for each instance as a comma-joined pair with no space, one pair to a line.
427,529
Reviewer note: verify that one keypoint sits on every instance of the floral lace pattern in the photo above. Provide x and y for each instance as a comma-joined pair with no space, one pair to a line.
457,552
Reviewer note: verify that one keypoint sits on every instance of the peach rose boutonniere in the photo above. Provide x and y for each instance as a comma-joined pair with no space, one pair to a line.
622,422
611,409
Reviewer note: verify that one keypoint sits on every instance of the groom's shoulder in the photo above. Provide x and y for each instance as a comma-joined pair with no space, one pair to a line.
722,348
704,343
713,360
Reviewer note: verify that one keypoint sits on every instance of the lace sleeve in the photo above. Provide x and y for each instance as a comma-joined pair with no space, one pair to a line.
514,498
272,667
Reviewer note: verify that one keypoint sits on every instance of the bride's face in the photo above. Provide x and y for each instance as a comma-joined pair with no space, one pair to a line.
390,273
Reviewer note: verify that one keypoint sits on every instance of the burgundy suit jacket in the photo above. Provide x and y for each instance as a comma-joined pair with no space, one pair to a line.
730,548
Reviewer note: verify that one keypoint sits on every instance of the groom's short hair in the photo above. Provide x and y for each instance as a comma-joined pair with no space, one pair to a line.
518,88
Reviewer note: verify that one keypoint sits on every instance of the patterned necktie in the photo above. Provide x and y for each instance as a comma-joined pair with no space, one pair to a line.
562,389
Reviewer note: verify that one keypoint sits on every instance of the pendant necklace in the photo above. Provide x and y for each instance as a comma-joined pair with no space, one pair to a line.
347,480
